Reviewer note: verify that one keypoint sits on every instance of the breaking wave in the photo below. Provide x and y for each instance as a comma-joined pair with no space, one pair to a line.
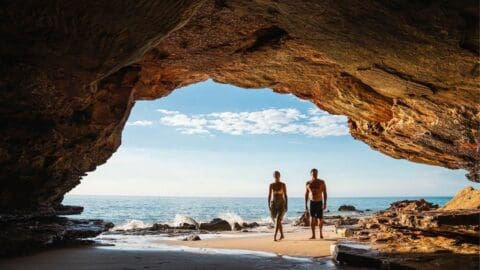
132,224
180,219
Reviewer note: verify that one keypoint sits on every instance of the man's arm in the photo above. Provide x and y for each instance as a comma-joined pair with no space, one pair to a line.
324,195
306,196
286,197
269,196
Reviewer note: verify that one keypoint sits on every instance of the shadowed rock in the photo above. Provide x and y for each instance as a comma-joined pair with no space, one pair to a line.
22,235
347,208
68,209
363,256
216,224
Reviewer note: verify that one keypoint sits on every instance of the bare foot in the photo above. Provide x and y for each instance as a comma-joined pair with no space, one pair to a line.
311,238
321,236
281,237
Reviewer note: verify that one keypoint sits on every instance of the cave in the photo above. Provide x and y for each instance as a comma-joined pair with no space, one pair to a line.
405,73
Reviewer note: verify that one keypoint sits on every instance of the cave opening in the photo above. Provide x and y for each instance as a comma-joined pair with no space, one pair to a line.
215,146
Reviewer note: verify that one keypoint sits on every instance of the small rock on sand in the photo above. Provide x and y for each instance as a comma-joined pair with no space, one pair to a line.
192,237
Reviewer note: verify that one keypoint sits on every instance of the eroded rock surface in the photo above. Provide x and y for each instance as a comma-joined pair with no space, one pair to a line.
365,257
419,227
468,198
413,234
406,74
21,235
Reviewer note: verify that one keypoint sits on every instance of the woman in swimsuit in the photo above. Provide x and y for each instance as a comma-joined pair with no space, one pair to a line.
278,205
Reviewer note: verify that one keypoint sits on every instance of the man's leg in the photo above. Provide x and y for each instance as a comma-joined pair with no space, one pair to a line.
320,226
313,224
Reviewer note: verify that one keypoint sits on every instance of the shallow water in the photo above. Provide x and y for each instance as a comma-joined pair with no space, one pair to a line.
139,211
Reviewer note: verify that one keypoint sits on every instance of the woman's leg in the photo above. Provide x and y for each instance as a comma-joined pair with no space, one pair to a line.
280,226
276,229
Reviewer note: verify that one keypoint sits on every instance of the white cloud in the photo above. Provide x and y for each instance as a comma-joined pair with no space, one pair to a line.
167,111
140,123
315,123
186,124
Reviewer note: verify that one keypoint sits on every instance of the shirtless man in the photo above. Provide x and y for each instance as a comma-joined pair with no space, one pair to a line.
316,191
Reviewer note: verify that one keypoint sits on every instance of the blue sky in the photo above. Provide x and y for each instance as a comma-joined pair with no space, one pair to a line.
212,139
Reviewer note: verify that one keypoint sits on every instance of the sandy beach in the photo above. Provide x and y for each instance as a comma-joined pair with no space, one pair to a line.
233,250
295,244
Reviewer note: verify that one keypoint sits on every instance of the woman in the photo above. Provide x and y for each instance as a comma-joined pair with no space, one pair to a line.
279,205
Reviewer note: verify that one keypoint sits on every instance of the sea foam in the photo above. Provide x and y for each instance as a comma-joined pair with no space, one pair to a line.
132,224
231,218
179,219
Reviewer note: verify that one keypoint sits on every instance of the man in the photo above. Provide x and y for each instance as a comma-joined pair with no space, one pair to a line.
316,191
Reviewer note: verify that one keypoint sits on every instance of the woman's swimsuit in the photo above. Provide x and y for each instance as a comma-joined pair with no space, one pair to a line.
278,204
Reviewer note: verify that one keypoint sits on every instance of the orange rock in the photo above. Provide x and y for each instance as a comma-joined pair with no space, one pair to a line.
467,198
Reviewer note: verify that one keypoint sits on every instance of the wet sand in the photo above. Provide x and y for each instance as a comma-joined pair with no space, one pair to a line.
295,244
101,258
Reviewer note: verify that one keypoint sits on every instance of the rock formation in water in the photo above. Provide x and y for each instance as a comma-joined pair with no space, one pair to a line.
406,73
416,234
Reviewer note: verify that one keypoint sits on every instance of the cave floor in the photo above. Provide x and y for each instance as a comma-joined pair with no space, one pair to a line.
105,258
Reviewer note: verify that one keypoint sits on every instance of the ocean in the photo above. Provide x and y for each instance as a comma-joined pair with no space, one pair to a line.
141,211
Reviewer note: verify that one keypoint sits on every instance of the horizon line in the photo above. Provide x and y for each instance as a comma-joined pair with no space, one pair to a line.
255,197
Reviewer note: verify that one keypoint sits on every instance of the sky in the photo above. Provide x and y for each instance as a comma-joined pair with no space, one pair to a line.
211,139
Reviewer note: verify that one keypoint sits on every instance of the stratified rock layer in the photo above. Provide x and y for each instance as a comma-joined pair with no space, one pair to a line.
420,227
468,198
406,74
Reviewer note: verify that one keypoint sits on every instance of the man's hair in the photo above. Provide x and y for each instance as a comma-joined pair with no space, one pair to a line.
276,172
314,171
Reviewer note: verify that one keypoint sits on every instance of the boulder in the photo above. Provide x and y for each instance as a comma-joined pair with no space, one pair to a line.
192,237
412,205
303,220
345,231
186,226
250,225
360,256
467,198
217,224
363,256
159,227
347,207
237,226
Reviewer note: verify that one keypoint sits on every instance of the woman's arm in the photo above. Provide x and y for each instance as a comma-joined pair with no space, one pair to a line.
286,197
269,196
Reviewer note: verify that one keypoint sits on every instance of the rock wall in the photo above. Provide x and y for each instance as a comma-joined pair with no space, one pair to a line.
405,73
